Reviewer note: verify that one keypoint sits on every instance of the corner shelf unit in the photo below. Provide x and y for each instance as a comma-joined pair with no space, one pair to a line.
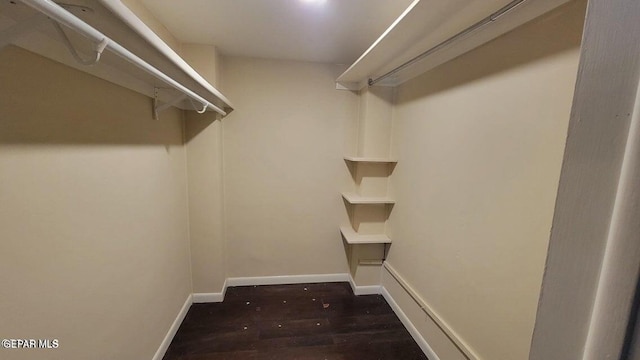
356,199
369,201
119,48
353,238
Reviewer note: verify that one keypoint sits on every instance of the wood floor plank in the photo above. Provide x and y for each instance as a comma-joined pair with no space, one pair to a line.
302,321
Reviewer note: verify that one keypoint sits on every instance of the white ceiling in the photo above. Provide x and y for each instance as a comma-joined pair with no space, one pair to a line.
330,31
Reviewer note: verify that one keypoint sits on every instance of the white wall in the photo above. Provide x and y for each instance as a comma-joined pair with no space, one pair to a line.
94,244
141,11
283,150
479,143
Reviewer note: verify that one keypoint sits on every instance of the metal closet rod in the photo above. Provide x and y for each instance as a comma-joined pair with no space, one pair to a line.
489,19
62,16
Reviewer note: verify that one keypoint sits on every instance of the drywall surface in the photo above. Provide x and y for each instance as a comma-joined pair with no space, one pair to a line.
479,143
205,59
374,121
284,168
427,327
141,11
94,244
206,201
203,137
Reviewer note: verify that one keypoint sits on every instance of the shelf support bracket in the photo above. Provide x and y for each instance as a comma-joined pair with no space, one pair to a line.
98,47
158,108
7,36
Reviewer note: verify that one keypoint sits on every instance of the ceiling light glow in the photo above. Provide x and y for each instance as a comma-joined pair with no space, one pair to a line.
319,2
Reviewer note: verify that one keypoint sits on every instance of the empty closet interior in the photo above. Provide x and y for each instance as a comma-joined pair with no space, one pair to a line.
142,171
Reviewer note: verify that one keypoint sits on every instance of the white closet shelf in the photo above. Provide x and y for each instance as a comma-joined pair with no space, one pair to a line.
354,238
357,199
421,30
119,47
365,159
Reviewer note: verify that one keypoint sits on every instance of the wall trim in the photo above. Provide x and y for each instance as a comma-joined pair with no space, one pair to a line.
202,298
164,345
367,290
297,279
364,289
424,345
286,279
446,329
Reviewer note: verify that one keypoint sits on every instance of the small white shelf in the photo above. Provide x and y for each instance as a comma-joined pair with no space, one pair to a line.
356,199
370,159
354,238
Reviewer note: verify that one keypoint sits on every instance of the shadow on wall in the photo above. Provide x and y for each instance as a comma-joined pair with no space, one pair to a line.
196,123
367,171
506,52
43,102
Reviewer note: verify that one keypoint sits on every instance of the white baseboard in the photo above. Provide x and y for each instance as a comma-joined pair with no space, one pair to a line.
301,279
424,345
287,279
364,290
201,298
367,290
173,329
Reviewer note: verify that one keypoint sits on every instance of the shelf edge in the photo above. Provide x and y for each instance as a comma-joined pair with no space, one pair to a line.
370,159
356,199
353,238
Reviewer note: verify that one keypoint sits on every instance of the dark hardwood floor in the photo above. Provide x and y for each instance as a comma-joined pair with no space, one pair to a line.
301,321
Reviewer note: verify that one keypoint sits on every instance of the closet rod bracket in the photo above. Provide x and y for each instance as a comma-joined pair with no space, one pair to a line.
204,107
158,108
98,47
